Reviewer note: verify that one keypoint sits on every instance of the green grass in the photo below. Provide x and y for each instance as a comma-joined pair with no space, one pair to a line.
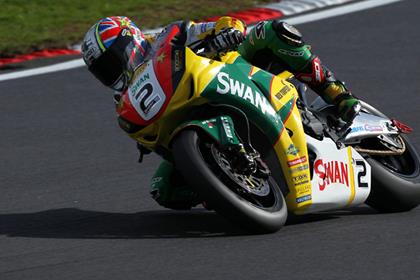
28,25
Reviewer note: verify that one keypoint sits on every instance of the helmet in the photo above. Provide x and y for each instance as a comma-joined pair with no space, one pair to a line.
112,49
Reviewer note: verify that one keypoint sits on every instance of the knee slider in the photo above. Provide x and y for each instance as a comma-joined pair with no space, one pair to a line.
288,33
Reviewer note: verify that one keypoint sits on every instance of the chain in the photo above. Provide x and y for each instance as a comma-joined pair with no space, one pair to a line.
393,152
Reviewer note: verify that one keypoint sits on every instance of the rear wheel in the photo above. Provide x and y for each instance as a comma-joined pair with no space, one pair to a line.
254,203
395,181
395,178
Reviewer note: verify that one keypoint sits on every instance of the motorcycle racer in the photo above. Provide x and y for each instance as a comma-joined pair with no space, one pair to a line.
115,47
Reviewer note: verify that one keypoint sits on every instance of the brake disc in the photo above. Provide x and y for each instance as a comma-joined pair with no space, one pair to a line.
250,183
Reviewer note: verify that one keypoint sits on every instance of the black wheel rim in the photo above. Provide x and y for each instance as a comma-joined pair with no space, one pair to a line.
406,165
262,196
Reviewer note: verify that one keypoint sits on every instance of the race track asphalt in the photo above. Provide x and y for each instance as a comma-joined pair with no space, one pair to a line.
74,202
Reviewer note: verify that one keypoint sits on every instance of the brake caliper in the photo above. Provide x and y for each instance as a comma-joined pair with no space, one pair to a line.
243,160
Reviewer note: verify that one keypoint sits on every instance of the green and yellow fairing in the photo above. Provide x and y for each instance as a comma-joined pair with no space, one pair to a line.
268,101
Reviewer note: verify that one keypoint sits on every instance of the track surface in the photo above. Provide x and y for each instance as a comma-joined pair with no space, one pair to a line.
74,203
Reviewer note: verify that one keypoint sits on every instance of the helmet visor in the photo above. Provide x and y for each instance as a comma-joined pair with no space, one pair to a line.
110,66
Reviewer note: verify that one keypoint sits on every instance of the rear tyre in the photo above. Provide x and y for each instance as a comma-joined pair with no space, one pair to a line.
253,203
395,181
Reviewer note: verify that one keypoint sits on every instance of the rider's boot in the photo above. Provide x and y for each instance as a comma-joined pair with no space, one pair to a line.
169,189
347,105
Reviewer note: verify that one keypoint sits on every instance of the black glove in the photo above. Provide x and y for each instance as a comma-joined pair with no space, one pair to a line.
226,40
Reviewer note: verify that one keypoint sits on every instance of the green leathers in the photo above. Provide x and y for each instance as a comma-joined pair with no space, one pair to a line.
276,46
169,189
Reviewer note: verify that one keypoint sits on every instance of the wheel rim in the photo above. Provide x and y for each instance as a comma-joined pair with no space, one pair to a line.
403,165
251,183
265,198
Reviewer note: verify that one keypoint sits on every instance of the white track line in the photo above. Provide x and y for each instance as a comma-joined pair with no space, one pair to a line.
338,11
291,7
43,70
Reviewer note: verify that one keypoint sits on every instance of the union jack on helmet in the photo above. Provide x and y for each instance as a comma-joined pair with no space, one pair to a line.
112,48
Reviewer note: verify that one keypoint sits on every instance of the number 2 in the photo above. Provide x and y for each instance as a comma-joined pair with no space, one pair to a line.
361,174
148,88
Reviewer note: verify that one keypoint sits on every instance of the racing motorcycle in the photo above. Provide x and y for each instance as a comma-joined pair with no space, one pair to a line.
255,149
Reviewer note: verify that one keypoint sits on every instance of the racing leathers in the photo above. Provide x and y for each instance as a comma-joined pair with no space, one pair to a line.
276,46
273,46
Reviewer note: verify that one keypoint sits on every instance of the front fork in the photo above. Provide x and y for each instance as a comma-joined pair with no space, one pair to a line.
243,158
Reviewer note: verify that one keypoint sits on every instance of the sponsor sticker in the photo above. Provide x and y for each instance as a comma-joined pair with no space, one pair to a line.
331,172
294,162
291,53
209,123
227,128
302,183
303,189
178,60
292,150
203,28
300,178
227,85
357,129
372,128
283,91
260,30
155,181
298,169
317,67
303,198
367,127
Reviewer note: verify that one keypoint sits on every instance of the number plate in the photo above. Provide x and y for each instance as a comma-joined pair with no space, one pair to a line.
146,94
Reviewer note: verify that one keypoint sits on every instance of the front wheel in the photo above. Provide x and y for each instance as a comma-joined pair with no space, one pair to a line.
253,203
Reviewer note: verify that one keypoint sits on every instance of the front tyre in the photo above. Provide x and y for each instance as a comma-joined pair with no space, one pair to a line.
395,181
253,203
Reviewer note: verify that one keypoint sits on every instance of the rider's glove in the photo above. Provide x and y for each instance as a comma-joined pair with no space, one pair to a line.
226,40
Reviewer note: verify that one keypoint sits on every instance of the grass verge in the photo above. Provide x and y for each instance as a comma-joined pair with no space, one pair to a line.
27,26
